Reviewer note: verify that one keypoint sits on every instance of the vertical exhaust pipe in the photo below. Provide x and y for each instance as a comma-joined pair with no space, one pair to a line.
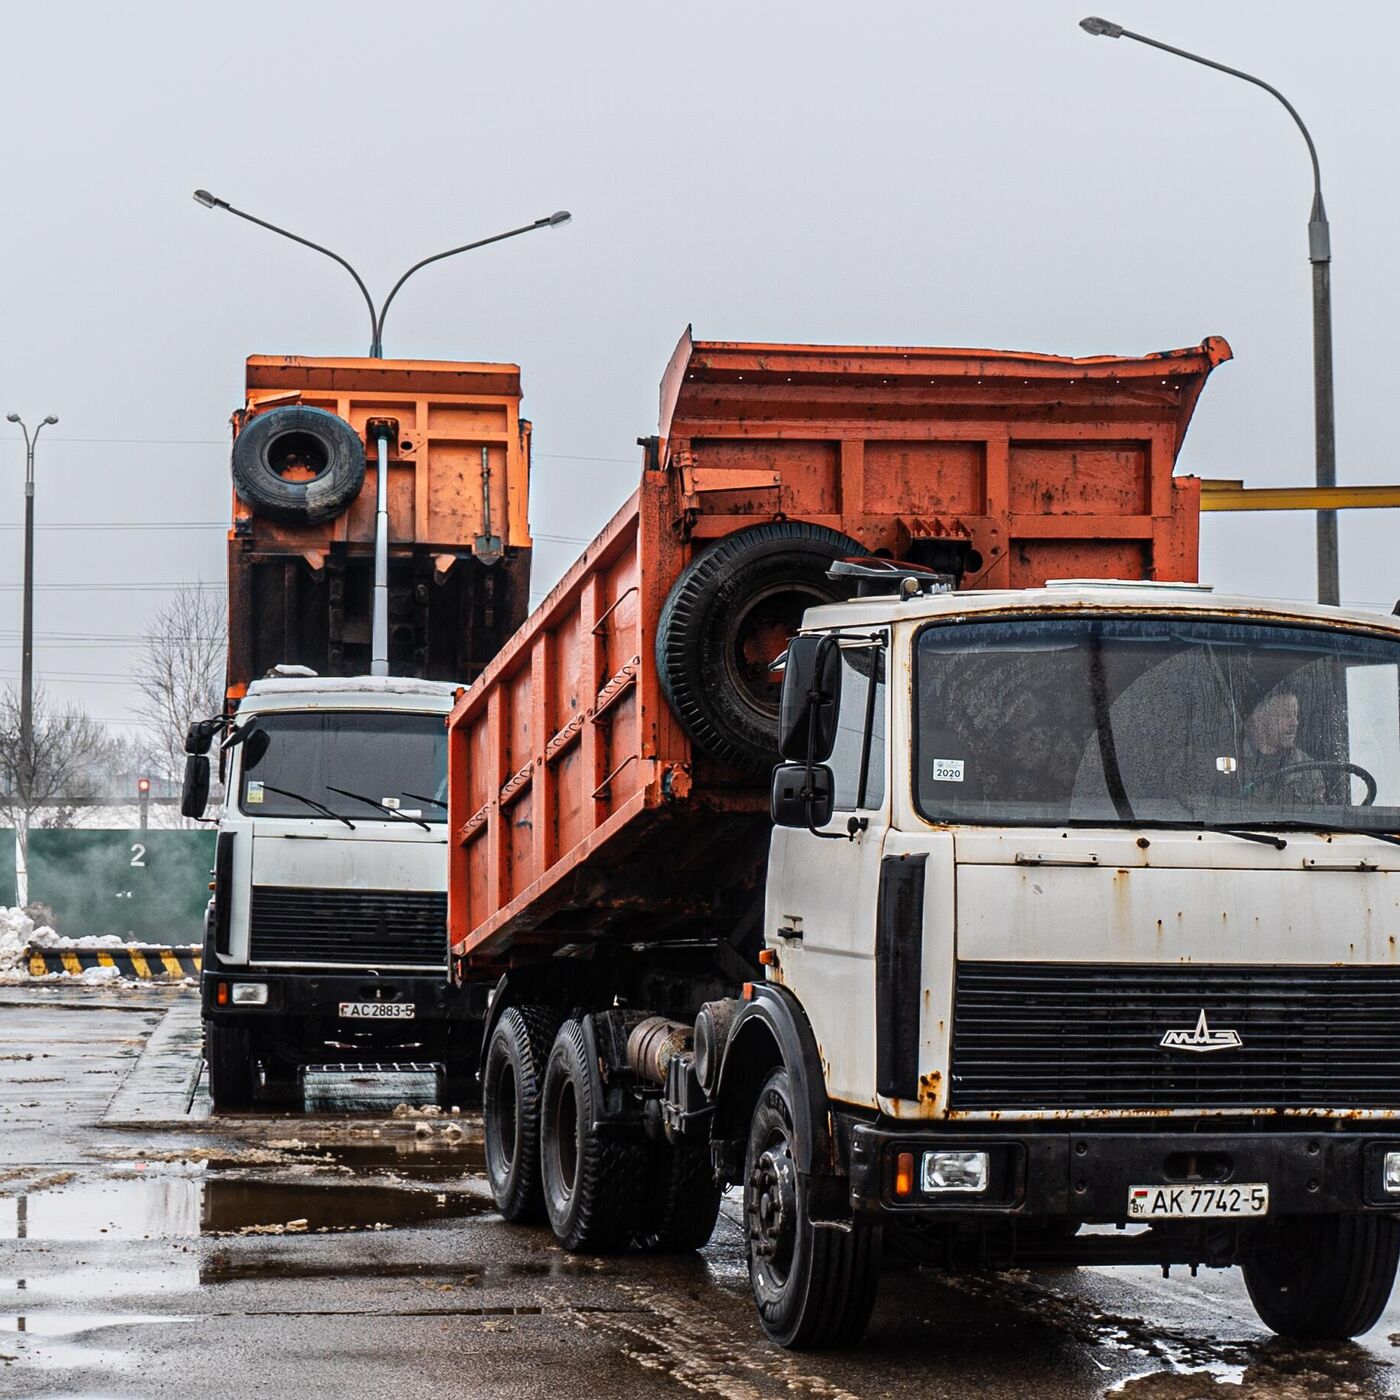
379,627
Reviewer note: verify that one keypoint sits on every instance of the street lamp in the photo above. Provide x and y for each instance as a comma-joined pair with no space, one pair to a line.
376,319
1320,255
26,712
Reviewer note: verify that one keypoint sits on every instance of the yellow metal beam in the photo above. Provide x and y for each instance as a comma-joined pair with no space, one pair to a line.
1235,495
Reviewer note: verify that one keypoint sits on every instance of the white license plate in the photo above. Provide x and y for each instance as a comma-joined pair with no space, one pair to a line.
377,1010
1243,1198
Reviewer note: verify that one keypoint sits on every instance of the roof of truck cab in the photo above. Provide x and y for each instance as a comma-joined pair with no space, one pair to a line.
351,693
1080,596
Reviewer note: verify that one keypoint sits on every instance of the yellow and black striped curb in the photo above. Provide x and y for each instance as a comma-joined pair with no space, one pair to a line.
143,960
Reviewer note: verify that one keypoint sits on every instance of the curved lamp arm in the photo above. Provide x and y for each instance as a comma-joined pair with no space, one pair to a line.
210,201
562,216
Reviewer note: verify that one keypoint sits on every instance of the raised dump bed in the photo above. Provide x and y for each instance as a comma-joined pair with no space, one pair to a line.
301,549
608,772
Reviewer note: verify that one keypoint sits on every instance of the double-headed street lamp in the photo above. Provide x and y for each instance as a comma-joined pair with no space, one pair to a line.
1320,255
376,318
26,712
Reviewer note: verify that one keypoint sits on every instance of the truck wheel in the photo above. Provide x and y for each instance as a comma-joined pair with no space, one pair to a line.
814,1285
592,1183
229,1050
727,617
1323,1278
511,1108
682,1202
298,464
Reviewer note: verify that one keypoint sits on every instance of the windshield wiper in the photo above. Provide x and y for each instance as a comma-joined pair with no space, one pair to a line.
1189,824
418,797
380,807
310,802
1392,837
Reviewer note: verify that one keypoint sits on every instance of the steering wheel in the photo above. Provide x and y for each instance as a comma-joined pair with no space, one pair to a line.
1355,769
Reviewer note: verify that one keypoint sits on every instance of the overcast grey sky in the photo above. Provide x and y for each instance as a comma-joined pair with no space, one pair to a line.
918,174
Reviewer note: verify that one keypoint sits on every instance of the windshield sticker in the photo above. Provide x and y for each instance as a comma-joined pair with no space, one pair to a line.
948,770
255,793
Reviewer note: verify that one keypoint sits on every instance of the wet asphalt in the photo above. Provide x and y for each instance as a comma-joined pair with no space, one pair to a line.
150,1249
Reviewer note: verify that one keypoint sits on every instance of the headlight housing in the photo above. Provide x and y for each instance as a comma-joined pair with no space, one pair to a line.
962,1171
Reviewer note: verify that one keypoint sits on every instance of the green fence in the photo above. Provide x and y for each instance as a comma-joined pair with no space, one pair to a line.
146,885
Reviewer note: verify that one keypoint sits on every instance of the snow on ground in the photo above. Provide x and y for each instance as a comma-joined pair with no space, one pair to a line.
16,931
18,934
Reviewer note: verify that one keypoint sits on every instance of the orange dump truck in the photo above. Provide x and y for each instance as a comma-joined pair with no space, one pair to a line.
616,820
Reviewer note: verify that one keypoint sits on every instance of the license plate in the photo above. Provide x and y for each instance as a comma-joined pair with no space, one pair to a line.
1244,1198
376,1010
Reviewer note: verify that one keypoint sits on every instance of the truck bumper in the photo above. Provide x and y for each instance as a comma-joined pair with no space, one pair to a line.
1087,1176
319,996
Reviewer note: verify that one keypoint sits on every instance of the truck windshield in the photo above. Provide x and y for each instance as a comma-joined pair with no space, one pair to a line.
1162,719
384,756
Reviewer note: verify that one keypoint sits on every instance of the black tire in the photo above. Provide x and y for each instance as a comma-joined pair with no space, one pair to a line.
682,1200
298,464
593,1185
1323,1277
229,1051
510,1105
727,617
814,1286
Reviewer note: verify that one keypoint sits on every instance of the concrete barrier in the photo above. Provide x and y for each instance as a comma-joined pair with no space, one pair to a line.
146,961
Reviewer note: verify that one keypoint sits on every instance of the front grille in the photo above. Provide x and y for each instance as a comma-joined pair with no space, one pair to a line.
1064,1036
369,928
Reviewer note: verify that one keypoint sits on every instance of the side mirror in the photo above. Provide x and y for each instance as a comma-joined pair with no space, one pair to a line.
194,795
811,699
200,735
802,797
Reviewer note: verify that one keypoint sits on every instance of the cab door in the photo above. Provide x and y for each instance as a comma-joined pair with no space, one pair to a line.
823,888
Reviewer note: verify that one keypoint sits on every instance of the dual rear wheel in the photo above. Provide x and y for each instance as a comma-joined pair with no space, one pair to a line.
551,1156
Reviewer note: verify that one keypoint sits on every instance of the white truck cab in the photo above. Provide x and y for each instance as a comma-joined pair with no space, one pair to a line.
1089,896
326,935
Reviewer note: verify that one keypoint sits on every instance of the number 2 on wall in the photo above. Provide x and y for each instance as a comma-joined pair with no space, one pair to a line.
138,855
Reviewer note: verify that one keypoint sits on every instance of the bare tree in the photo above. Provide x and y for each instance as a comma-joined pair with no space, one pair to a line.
66,761
180,677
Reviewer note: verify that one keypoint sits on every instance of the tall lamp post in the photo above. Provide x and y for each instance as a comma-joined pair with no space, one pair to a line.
1320,255
26,685
376,318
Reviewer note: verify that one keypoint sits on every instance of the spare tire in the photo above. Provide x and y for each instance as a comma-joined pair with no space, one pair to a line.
728,616
297,464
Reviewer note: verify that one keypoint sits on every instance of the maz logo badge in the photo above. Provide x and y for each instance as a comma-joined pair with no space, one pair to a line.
1202,1038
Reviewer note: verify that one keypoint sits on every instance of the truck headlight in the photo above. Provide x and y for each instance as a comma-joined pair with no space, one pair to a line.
1391,1174
967,1171
250,993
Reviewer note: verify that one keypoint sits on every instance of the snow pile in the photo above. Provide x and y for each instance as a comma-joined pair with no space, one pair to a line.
46,938
16,931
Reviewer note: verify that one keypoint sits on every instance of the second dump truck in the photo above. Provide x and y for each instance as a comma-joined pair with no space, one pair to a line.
379,555
879,819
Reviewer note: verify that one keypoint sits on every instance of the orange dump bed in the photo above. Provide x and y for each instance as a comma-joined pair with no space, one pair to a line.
581,805
459,470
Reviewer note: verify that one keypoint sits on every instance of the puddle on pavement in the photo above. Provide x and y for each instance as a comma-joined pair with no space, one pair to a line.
412,1156
185,1207
68,1324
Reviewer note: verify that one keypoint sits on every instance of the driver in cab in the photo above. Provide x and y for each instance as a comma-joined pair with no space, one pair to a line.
1271,751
